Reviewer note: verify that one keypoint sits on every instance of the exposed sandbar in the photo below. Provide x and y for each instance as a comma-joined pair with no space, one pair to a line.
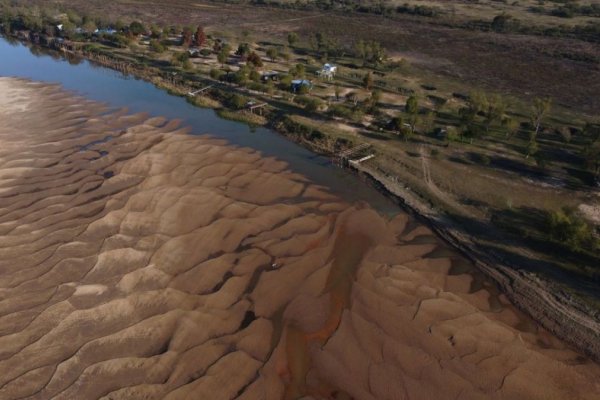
140,262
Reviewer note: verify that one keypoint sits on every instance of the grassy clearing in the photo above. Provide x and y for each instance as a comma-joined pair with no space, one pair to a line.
243,116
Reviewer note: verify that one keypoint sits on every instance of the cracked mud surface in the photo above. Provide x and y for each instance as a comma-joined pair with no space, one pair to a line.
139,262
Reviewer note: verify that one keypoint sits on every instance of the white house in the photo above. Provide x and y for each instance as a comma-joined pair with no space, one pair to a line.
328,71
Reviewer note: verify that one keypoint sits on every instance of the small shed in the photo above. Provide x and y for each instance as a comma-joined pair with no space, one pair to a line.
194,52
270,76
328,71
298,83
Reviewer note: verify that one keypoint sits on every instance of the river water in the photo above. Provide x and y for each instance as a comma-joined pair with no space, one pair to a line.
117,90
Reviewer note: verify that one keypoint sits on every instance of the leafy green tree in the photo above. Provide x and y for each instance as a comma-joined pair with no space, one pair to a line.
285,54
292,39
567,228
68,28
412,110
505,23
73,17
396,124
254,75
298,71
310,104
510,126
255,59
378,54
156,46
412,105
495,107
272,53
136,28
89,26
188,65
541,108
360,50
428,121
156,31
237,101
372,102
243,50
120,25
532,147
223,54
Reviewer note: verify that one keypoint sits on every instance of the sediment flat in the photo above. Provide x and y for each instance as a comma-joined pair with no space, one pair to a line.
138,261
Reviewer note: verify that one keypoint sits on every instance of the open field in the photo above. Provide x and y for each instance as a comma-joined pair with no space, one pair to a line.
520,65
141,262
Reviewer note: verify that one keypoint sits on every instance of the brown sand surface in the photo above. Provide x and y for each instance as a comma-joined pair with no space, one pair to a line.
139,262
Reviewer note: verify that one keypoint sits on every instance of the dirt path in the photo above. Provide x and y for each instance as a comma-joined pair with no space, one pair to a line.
435,190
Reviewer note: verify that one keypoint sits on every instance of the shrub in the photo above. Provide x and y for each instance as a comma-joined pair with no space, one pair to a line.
156,46
136,28
310,104
216,74
339,110
303,89
236,101
255,59
567,228
505,23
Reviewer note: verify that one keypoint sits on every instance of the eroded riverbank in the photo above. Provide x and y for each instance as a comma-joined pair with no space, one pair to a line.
140,262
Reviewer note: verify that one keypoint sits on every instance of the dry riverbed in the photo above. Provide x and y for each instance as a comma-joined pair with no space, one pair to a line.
137,261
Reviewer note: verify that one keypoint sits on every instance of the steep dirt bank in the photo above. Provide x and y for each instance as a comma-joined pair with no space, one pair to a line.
556,310
137,261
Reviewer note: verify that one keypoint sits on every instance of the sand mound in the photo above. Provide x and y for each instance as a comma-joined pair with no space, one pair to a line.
139,262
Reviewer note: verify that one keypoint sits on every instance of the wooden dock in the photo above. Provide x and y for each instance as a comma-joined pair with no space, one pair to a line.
258,107
343,157
356,162
202,90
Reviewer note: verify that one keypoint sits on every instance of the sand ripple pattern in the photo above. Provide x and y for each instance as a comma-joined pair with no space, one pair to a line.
140,262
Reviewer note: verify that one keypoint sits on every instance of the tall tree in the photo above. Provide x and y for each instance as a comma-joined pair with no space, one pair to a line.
136,28
396,125
186,37
272,53
495,107
255,59
223,54
199,37
412,109
360,50
292,38
511,127
541,107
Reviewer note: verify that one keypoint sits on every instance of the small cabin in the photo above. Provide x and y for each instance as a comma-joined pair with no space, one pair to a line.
270,76
299,83
105,31
328,71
